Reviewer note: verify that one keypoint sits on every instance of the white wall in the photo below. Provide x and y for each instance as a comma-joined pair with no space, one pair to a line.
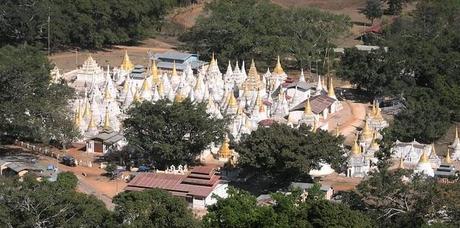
220,190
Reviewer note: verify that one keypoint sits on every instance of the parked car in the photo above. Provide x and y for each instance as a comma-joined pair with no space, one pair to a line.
69,161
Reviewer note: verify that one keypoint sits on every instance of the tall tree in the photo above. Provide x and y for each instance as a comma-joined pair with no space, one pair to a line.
288,153
153,208
165,134
245,29
30,203
373,10
31,107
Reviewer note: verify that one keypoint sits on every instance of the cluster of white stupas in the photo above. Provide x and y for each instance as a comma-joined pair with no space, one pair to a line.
423,157
249,98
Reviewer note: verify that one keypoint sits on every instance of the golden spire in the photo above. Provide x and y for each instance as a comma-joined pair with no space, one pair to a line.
307,110
337,130
126,86
367,131
107,95
174,71
401,163
178,98
213,60
87,112
330,89
278,69
161,89
77,119
448,159
239,111
258,99
253,80
232,101
145,85
423,158
91,124
137,96
106,119
126,64
224,150
356,149
154,73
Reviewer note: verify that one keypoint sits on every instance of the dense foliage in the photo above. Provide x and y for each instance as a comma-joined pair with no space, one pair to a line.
81,23
166,133
288,153
393,200
244,29
421,65
42,204
153,208
240,209
31,107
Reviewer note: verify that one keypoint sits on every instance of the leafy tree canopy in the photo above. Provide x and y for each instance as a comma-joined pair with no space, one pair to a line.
373,10
167,133
240,209
288,153
244,29
42,204
153,208
393,200
81,23
31,107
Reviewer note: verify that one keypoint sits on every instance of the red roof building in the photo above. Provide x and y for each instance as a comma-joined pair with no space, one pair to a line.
197,186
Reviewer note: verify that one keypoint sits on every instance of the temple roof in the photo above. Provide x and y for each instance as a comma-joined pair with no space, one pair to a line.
318,104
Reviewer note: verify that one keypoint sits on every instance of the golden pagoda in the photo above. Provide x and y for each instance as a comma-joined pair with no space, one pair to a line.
87,111
356,149
224,150
337,130
107,95
179,97
423,158
253,82
106,125
367,132
308,111
145,85
433,151
278,68
378,114
77,118
154,73
126,64
448,160
232,103
92,124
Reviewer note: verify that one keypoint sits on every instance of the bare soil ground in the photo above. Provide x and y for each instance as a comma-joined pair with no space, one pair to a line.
68,60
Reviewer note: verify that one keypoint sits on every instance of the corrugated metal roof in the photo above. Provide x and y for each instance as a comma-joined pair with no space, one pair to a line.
175,183
174,55
318,103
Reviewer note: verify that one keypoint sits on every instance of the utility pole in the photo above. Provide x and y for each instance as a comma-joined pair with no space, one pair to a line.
49,20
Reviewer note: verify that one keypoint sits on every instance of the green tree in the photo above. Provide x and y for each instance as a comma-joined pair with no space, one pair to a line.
67,180
110,169
245,29
152,208
373,10
288,153
240,209
31,107
370,71
43,204
167,133
424,120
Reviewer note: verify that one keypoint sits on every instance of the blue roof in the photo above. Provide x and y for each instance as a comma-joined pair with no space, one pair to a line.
174,55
